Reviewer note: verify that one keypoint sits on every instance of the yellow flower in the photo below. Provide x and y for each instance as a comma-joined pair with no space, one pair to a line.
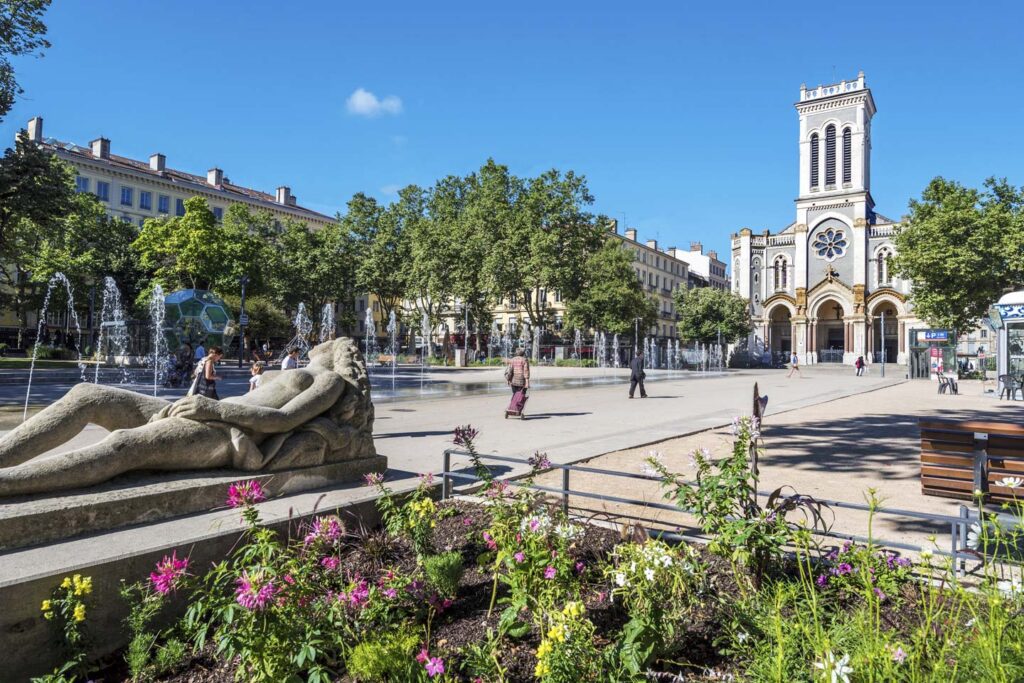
542,669
557,634
48,615
82,586
46,605
573,609
544,650
66,583
79,612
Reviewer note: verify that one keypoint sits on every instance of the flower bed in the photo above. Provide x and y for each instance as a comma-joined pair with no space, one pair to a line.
510,589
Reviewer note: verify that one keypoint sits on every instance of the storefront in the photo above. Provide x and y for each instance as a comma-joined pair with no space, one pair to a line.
932,353
1008,318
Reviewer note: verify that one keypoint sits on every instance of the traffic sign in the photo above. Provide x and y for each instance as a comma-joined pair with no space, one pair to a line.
243,319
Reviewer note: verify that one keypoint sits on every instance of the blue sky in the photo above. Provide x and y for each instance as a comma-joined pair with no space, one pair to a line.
680,114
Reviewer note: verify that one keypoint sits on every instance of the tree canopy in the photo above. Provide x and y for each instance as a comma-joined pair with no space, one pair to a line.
704,311
22,32
611,297
961,247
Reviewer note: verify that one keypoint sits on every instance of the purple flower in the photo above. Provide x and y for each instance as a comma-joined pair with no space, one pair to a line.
580,567
468,521
373,478
519,556
323,529
245,493
464,436
359,595
168,571
439,604
390,593
843,569
423,657
822,581
435,666
489,540
330,563
539,461
426,478
252,592
898,655
880,594
550,572
534,524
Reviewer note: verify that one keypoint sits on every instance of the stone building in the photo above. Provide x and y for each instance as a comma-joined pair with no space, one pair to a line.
823,285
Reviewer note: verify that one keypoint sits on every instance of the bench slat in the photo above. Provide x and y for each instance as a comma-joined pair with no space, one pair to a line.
947,472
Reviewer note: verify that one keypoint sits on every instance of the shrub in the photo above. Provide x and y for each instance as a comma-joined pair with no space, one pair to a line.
443,573
576,363
387,658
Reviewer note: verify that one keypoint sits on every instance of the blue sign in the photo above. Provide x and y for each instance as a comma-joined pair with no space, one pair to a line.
936,335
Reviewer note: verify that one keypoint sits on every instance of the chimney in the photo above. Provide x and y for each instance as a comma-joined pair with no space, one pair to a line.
697,247
283,193
713,254
35,129
291,200
100,148
653,244
157,162
631,234
215,177
613,226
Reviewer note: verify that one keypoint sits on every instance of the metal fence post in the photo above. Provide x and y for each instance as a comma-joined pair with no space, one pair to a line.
446,467
565,490
960,540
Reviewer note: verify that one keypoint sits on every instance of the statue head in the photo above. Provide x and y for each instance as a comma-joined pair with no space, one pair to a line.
335,354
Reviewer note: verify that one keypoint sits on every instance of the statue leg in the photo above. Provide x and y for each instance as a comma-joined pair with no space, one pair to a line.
169,444
109,407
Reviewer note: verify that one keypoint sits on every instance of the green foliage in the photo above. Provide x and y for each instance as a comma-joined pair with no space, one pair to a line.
144,606
184,252
611,298
266,319
382,248
704,312
962,248
66,610
387,658
444,572
21,33
576,363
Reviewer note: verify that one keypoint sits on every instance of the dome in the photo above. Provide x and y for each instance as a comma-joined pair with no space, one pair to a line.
197,316
1012,298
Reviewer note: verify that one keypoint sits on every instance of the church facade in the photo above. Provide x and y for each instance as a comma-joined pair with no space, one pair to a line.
823,286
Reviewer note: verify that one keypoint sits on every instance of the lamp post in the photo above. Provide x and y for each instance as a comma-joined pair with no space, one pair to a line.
243,320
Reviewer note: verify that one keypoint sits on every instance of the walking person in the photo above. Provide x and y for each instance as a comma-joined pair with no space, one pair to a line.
205,383
859,364
637,374
291,361
200,352
794,364
257,375
517,374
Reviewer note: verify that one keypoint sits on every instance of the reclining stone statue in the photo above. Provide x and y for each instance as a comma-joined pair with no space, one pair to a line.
316,415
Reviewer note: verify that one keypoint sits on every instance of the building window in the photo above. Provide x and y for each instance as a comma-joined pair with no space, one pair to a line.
781,273
146,201
142,222
218,213
127,196
512,300
558,296
882,266
103,191
847,150
830,244
163,204
127,219
814,160
81,184
179,207
830,156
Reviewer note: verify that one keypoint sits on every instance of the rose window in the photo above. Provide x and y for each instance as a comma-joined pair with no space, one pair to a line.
830,244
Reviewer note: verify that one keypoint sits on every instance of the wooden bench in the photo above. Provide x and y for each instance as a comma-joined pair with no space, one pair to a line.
959,458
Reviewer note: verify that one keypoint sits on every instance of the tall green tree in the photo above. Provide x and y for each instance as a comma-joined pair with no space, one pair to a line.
381,248
961,247
22,33
185,252
473,236
706,311
611,298
247,244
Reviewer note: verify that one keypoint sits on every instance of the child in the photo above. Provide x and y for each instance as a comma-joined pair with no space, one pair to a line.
257,375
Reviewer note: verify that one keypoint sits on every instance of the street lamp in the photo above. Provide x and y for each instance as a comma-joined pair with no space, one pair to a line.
243,320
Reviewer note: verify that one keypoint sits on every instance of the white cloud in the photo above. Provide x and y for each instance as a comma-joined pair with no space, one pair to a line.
390,190
362,102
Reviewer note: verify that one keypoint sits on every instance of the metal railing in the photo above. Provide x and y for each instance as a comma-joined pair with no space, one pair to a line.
959,524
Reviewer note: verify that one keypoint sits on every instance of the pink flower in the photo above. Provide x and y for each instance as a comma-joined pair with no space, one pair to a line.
329,563
390,593
326,529
252,593
373,479
289,580
489,540
899,655
245,493
426,478
520,557
435,667
423,657
168,570
534,524
550,572
359,595
468,521
580,567
464,435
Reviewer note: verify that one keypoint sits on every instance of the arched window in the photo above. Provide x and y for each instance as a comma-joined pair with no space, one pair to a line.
781,273
814,160
882,266
830,156
847,150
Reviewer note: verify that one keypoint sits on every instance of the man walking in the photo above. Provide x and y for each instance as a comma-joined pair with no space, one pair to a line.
794,364
291,361
636,374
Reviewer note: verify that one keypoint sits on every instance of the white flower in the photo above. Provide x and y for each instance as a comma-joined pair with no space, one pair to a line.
620,579
1011,482
839,669
970,623
742,636
926,554
1010,588
974,536
649,574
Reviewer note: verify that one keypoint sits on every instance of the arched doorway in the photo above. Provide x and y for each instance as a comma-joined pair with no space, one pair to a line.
885,341
829,331
780,331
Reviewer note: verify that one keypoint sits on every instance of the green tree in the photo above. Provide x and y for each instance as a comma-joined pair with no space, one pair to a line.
961,247
185,252
21,33
381,248
246,241
428,219
706,311
473,237
611,298
266,318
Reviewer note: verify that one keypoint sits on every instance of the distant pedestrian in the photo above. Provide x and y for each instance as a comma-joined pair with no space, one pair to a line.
794,364
200,352
205,382
257,375
637,375
291,361
859,364
517,374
